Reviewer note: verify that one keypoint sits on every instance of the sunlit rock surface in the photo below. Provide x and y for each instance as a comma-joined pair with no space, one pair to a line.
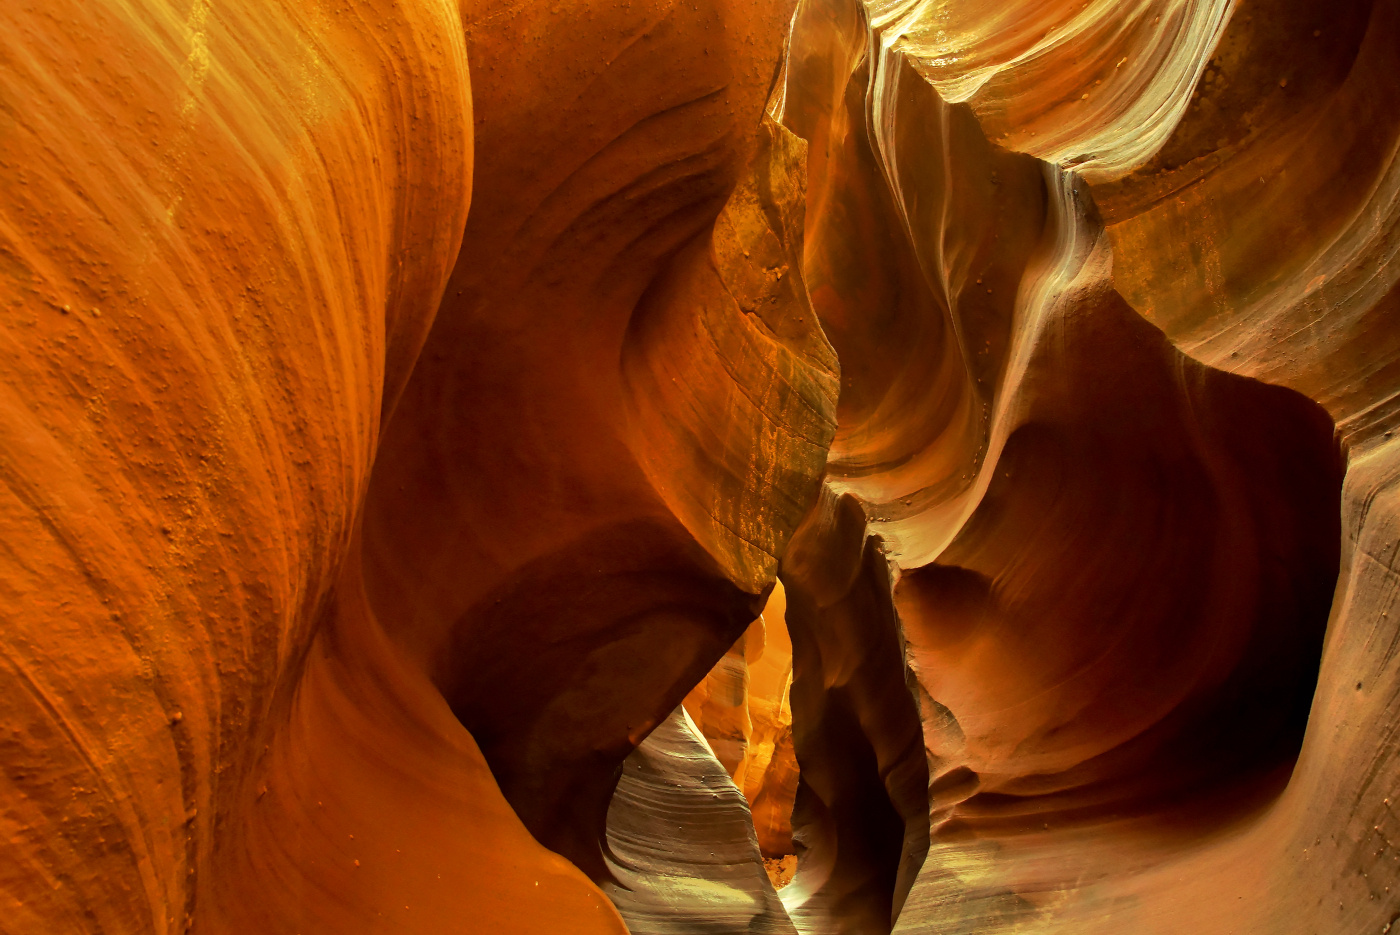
1115,567
768,775
743,709
407,406
331,606
681,847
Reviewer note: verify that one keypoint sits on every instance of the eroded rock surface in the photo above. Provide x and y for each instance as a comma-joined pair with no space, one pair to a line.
308,466
407,405
681,847
1112,566
224,231
743,709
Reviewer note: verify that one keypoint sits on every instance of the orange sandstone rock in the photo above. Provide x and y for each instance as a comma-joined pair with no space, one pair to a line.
742,709
1113,640
225,229
264,585
356,543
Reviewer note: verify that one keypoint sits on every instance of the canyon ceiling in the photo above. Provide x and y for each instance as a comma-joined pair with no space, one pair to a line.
557,466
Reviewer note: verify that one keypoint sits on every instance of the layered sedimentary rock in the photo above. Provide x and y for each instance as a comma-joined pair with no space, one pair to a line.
1112,565
224,230
681,849
388,453
253,688
711,363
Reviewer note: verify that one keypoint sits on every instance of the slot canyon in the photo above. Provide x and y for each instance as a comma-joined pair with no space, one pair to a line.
699,467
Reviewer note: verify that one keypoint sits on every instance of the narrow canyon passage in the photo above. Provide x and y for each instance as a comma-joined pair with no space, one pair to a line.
807,467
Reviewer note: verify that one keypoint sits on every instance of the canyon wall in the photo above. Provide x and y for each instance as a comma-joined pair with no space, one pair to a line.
1100,277
410,408
340,520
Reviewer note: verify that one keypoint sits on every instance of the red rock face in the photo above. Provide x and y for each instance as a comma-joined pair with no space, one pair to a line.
1112,566
407,406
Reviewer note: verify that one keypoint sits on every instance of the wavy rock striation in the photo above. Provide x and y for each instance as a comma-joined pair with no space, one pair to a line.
353,542
681,846
1111,564
406,405
623,373
223,232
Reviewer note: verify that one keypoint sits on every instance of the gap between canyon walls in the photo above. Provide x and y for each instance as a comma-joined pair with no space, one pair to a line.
1056,597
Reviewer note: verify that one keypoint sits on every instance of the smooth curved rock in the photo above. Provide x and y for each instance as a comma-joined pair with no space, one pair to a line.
768,775
1112,565
700,357
224,231
743,710
681,847
860,819
1292,211
253,633
355,543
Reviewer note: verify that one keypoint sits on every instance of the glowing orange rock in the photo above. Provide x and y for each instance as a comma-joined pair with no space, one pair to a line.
742,709
354,542
1111,565
225,229
240,668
